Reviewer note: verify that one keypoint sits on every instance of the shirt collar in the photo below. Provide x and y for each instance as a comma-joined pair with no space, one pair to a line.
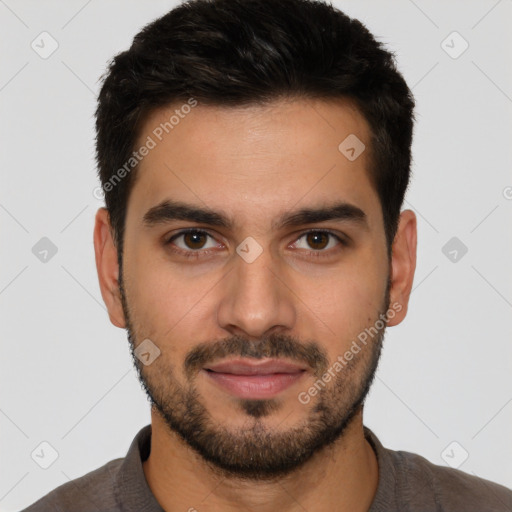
386,495
130,487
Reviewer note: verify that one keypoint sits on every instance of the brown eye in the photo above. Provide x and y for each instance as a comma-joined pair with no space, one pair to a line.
317,239
194,239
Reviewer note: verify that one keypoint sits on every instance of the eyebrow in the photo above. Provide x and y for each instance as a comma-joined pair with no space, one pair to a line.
169,210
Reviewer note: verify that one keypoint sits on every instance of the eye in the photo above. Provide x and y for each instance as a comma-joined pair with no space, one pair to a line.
320,241
194,241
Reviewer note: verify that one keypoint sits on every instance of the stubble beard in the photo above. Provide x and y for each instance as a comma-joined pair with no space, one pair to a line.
257,452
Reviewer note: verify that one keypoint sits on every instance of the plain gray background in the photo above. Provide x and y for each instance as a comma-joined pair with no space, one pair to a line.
444,385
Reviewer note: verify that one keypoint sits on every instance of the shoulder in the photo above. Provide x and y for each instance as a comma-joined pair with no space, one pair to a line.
92,491
450,489
410,482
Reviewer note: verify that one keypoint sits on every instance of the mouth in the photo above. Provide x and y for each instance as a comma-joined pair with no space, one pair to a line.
251,379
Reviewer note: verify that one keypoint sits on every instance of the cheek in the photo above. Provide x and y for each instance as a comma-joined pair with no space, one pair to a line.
351,300
167,303
370,276
349,311
152,291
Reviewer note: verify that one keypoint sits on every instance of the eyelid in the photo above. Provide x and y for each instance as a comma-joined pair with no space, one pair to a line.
342,237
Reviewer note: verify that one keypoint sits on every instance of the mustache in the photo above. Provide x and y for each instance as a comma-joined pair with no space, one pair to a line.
273,346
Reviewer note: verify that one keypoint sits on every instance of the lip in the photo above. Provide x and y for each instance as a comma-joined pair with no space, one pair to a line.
254,379
250,367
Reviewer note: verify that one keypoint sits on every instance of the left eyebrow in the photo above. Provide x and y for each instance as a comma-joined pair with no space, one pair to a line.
336,212
169,210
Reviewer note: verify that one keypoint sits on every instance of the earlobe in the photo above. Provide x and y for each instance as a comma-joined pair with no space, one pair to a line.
107,267
403,264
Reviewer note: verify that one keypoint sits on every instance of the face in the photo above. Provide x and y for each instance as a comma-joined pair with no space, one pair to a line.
260,283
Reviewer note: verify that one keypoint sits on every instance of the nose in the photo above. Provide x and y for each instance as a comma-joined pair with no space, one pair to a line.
256,300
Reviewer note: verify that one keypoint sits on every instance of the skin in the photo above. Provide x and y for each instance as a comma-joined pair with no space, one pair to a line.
255,163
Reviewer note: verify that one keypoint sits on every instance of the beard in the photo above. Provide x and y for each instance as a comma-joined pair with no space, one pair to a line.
257,452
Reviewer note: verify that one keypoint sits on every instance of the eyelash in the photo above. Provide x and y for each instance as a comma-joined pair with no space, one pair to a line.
191,254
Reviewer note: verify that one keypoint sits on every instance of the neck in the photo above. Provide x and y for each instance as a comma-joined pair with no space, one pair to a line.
342,477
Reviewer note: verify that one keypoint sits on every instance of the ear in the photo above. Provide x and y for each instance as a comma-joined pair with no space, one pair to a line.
107,267
403,264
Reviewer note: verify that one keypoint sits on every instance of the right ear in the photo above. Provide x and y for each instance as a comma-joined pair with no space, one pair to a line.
108,268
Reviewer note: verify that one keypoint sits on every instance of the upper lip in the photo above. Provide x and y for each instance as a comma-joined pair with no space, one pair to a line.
251,367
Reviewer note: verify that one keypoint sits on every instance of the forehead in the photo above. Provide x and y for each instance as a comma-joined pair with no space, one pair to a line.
254,161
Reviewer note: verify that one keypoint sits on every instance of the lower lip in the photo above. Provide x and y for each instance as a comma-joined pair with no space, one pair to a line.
254,386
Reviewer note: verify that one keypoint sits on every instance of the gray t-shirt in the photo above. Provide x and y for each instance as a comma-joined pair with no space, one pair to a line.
407,483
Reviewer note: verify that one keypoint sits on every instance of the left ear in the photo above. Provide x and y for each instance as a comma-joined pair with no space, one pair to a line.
403,265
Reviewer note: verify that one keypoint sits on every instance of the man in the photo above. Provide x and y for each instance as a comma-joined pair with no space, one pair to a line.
254,156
